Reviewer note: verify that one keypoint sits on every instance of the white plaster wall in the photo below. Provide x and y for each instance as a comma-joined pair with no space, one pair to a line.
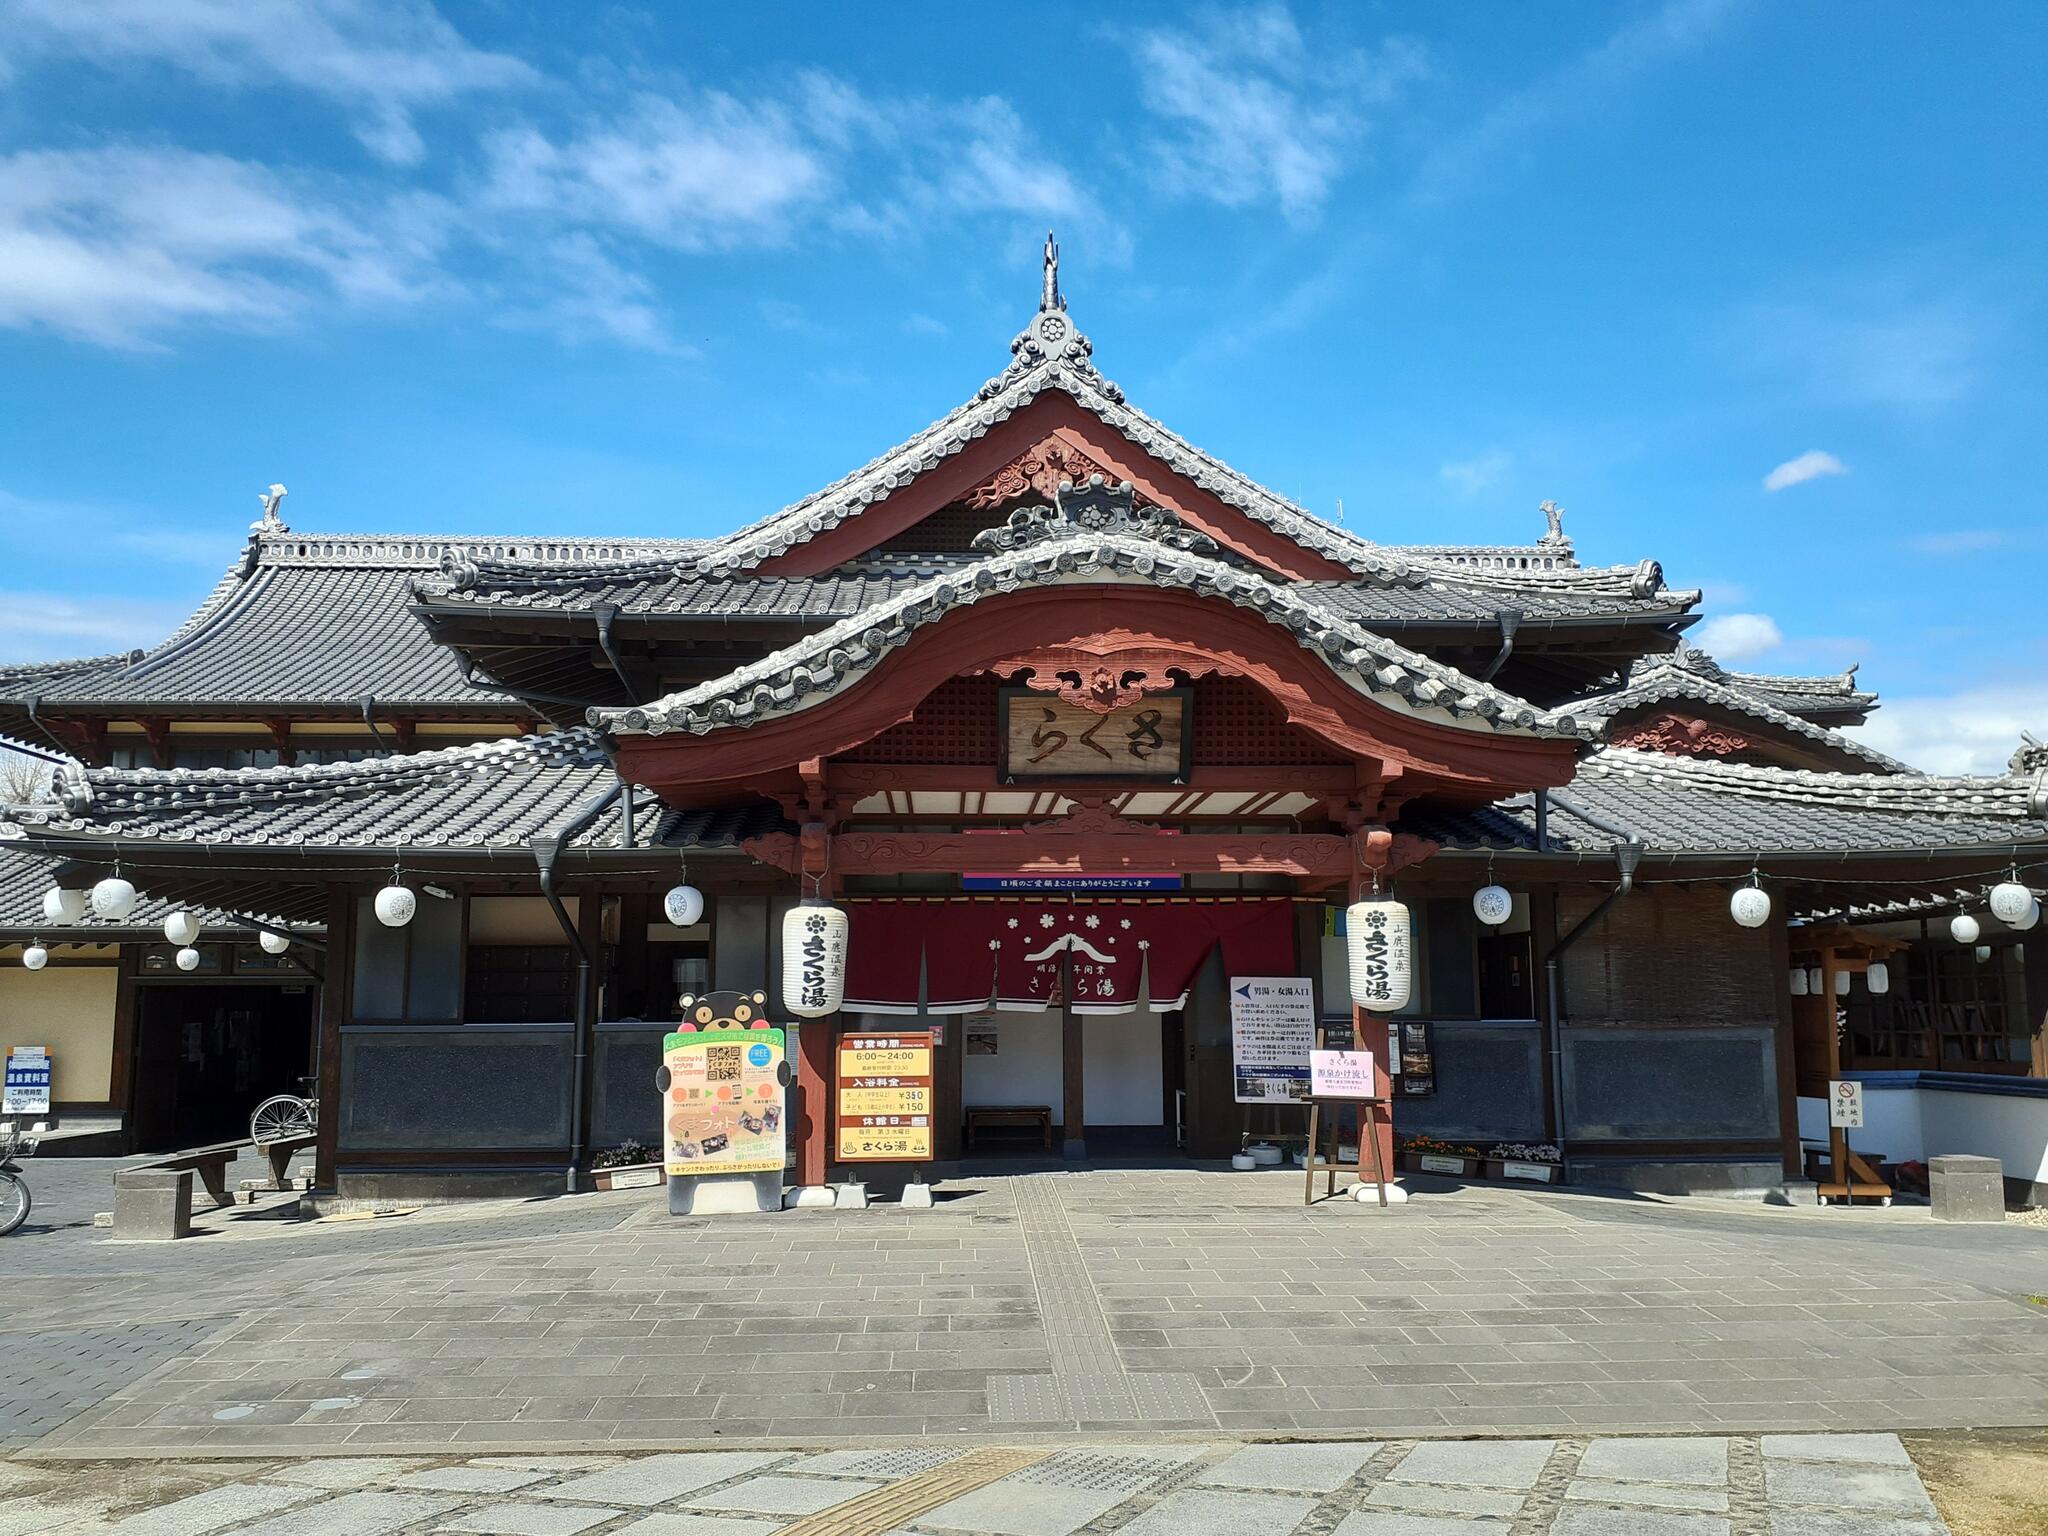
1025,1068
1122,1071
1912,1125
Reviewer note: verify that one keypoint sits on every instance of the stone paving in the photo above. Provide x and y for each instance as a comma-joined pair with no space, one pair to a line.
1738,1485
1183,1305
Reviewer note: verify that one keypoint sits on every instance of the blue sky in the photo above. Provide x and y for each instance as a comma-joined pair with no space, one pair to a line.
1755,290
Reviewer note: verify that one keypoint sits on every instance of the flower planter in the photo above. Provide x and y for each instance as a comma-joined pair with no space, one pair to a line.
632,1176
1514,1171
1448,1164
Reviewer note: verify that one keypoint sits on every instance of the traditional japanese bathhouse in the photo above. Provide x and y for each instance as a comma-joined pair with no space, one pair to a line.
1079,725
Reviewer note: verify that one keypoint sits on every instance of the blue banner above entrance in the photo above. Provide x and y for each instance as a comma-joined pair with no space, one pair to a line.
1043,884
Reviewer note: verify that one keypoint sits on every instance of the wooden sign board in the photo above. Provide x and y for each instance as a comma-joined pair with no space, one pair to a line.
882,1088
1045,737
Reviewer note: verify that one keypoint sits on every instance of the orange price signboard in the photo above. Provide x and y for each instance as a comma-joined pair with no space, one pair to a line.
883,1088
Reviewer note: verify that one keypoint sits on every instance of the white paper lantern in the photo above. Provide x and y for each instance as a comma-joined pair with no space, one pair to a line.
62,906
1983,953
2009,902
1798,982
273,943
35,957
396,905
113,897
188,959
1842,983
181,927
2033,915
683,905
1750,906
1379,941
1879,976
813,960
1493,905
1964,929
1816,983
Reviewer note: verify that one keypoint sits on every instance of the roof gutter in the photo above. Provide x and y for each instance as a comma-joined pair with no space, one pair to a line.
606,615
1510,620
547,848
369,720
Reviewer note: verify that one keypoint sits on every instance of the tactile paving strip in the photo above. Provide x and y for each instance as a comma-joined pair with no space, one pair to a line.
886,1509
1088,1384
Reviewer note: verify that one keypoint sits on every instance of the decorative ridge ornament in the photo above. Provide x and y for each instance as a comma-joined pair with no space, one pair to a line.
1097,507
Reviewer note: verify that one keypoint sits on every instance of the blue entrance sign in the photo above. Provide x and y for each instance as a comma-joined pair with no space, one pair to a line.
27,1081
1041,884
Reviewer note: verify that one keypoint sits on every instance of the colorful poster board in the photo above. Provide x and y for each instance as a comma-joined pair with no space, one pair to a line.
882,1089
1272,1031
1341,1075
724,1110
27,1083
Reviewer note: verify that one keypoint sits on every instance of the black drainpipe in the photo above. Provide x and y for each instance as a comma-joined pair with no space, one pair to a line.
369,713
546,849
1510,620
607,614
1628,853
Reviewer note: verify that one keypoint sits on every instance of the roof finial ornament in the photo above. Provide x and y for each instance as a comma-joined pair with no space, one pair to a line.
1553,514
270,522
1050,297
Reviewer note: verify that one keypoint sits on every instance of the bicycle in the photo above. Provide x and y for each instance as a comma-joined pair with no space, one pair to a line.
14,1196
285,1115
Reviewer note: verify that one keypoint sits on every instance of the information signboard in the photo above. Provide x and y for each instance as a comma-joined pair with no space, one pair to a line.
27,1084
1845,1106
1272,1031
1415,1058
883,1092
724,1109
1341,1075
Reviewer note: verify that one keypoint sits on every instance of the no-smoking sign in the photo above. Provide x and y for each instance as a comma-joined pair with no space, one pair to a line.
1845,1106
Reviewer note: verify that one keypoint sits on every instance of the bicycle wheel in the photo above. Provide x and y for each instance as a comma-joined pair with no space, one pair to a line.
280,1116
14,1203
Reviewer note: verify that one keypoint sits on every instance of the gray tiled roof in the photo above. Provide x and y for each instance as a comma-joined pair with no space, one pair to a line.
1052,356
479,797
305,619
1693,675
24,877
1687,806
1835,697
821,664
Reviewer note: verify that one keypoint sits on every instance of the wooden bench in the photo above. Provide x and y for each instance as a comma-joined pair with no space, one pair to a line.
208,1164
281,1151
981,1116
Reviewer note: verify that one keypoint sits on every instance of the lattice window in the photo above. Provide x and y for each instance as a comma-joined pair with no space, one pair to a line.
950,529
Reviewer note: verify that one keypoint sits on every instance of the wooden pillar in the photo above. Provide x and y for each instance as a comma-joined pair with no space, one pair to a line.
331,1009
1542,941
121,1065
1787,1058
1369,1032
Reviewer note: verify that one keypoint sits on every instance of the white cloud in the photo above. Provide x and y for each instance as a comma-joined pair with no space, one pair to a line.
1471,476
1972,731
579,294
699,173
382,60
115,245
1738,636
41,626
1887,342
1811,465
1254,113
1960,541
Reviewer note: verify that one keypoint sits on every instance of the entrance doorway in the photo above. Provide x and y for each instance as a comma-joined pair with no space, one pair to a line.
205,1056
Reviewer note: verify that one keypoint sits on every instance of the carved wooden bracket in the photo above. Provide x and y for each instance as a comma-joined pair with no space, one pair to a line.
1103,676
1037,471
1684,736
